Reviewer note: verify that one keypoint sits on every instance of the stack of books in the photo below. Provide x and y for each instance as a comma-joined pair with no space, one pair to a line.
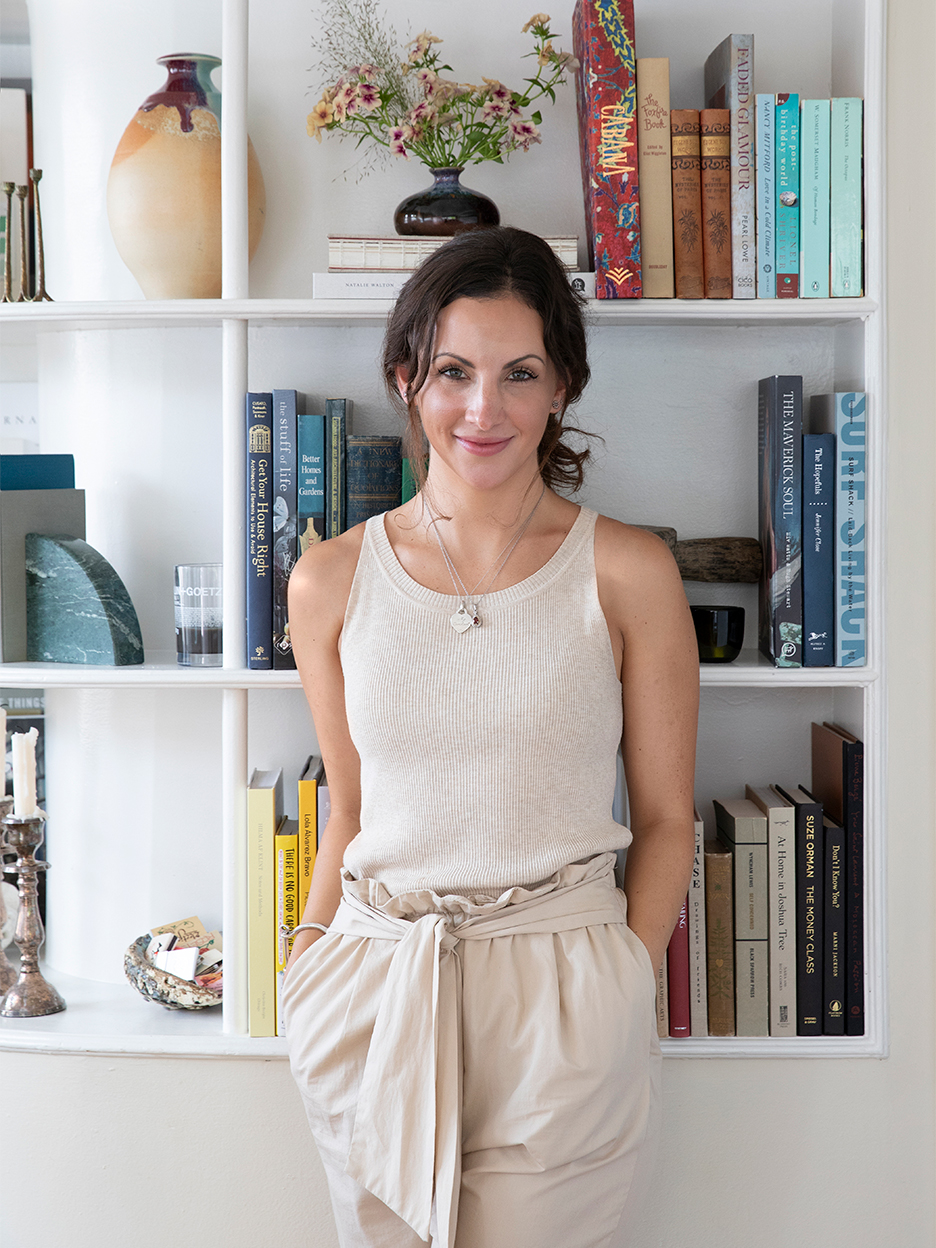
748,196
812,525
308,478
770,941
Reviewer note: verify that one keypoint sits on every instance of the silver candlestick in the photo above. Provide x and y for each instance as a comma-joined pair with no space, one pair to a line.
41,292
31,995
7,969
8,189
23,297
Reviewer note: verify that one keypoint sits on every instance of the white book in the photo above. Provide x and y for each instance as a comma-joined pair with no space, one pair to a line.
781,902
406,252
698,967
387,285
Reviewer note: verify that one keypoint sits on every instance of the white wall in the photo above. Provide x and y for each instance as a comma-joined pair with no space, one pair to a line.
838,1153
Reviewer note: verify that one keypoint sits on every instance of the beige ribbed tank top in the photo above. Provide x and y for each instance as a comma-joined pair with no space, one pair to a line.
487,757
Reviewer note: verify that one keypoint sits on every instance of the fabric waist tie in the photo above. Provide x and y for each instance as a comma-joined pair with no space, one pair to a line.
406,1143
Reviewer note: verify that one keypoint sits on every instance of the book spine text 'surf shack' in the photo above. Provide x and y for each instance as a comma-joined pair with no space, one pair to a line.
603,40
285,500
259,531
780,504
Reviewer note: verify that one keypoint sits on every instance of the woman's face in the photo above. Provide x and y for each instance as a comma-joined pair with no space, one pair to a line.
488,392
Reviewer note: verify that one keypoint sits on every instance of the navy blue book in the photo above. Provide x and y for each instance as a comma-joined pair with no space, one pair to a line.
809,910
337,420
285,520
818,549
311,503
780,510
37,472
833,971
374,475
259,531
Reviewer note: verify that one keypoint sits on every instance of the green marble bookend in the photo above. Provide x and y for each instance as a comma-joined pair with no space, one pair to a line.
77,607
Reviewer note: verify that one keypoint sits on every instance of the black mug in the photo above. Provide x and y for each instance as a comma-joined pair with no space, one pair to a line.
719,633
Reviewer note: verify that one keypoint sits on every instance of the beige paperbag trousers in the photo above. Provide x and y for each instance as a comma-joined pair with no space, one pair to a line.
477,1073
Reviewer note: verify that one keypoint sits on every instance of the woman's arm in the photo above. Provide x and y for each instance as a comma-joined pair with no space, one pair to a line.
318,596
654,641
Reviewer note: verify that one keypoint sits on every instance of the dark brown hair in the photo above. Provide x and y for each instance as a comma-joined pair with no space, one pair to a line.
487,264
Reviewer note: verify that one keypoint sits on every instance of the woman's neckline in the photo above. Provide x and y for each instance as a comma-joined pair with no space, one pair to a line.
497,597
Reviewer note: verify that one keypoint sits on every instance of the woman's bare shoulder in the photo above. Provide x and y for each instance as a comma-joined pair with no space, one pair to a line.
626,551
323,576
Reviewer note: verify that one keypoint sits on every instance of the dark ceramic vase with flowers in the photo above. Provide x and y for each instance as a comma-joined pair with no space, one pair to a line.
445,208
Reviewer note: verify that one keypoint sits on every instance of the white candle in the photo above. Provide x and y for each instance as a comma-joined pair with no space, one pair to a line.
24,773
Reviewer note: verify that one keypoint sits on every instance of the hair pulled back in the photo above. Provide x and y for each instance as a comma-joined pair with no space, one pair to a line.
488,264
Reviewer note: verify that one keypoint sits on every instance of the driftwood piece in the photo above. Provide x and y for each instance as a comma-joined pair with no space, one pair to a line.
715,559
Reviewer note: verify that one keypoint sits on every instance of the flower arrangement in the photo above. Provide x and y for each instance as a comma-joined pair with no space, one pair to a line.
407,106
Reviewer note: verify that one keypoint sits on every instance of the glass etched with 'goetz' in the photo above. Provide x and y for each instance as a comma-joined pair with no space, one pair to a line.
198,603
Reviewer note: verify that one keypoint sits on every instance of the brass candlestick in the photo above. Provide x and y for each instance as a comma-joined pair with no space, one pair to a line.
41,292
8,189
7,969
31,996
23,297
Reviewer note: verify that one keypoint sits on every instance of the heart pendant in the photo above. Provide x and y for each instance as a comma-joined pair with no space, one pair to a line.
460,620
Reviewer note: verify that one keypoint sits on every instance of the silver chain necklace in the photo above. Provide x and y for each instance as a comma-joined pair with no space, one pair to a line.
467,614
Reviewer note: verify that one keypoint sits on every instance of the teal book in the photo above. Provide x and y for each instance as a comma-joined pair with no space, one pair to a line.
311,480
815,118
765,185
337,420
786,152
844,414
846,187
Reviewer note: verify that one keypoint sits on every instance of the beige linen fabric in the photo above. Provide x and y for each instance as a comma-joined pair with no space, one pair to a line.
480,1072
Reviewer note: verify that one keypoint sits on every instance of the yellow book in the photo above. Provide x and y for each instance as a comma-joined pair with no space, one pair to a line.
264,803
308,825
286,856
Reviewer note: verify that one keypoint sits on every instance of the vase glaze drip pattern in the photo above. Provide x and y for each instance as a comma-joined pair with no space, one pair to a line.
164,189
445,208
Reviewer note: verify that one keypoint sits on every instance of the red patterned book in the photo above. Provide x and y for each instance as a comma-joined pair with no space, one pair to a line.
603,34
677,966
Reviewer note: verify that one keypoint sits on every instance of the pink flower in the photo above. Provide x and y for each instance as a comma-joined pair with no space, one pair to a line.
497,91
495,110
369,73
395,138
524,133
428,78
424,112
368,97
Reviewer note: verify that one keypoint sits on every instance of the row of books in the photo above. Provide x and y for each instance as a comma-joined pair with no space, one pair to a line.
770,941
811,495
754,195
280,858
308,478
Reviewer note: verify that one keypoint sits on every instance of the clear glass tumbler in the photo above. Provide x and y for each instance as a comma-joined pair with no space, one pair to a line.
198,603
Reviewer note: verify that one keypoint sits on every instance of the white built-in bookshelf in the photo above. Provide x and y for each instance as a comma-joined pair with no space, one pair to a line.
147,766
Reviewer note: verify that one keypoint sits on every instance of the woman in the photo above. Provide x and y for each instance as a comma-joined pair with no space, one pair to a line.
470,1012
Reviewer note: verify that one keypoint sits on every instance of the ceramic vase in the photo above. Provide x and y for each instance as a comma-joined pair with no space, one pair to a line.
445,208
164,189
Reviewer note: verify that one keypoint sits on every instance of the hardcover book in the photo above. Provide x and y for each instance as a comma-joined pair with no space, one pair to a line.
786,153
698,971
715,127
742,828
264,815
729,83
285,520
819,589
311,481
844,414
656,188
833,971
677,968
259,531
809,910
780,449
814,199
337,420
286,868
37,472
374,475
719,936
662,1002
781,906
687,203
838,783
372,253
603,41
765,197
308,825
846,198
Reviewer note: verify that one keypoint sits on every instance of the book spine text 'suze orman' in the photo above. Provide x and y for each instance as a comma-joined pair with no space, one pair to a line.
603,40
259,531
729,83
780,430
787,145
